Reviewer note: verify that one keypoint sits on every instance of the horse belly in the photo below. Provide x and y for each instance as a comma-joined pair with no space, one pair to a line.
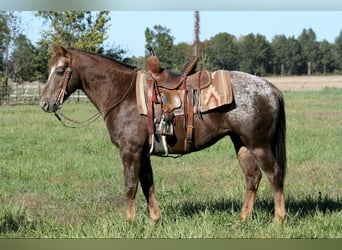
208,129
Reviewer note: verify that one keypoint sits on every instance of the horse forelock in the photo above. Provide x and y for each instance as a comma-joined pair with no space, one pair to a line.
58,51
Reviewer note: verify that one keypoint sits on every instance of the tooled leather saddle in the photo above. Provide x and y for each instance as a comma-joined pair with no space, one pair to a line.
168,94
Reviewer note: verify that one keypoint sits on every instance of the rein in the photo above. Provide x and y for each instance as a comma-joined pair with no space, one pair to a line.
109,109
79,124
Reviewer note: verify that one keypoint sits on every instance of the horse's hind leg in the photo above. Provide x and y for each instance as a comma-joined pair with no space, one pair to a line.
265,160
147,185
252,176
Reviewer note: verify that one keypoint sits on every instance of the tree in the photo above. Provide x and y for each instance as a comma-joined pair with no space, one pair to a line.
22,60
9,29
41,60
310,49
3,34
287,59
263,53
280,54
222,51
295,61
326,56
138,62
180,55
81,29
161,40
255,54
338,49
116,52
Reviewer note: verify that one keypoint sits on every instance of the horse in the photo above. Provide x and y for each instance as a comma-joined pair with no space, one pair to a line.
255,122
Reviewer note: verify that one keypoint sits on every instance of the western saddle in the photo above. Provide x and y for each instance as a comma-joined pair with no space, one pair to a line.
167,92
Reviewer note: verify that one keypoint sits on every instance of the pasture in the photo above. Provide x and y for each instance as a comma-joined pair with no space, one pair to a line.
58,182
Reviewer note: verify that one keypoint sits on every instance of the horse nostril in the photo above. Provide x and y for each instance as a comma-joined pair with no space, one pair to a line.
45,106
54,107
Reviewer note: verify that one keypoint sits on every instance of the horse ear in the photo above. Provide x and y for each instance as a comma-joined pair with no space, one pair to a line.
60,50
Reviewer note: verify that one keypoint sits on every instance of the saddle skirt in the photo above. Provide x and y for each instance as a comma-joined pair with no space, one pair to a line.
213,90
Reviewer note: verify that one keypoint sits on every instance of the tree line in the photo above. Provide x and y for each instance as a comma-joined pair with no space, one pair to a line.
253,53
20,60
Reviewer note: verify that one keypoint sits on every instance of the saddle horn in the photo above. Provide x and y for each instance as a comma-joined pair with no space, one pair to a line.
153,63
150,49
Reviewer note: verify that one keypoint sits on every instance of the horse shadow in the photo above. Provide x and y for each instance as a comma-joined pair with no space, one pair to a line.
300,208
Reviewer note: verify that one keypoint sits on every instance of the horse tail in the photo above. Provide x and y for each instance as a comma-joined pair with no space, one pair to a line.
279,139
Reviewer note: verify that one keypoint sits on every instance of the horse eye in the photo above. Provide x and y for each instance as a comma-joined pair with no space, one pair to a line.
59,72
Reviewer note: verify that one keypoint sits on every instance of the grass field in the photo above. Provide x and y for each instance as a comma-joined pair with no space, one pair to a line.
68,183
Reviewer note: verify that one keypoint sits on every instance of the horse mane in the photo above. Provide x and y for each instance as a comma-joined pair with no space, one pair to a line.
103,57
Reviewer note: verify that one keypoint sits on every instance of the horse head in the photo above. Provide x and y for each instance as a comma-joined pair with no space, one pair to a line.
62,82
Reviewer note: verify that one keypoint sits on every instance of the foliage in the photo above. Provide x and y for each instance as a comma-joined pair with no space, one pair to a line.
326,56
254,52
23,57
85,30
310,49
181,53
287,59
161,40
222,52
283,55
338,49
80,29
43,54
3,34
9,31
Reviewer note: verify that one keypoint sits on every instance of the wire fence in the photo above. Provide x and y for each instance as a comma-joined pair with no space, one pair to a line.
28,94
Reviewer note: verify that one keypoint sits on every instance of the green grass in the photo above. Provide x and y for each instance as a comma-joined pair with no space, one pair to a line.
68,183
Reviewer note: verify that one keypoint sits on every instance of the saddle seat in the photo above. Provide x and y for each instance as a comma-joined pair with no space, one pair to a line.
167,79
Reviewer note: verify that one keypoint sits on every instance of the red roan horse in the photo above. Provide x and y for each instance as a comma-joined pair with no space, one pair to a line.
255,121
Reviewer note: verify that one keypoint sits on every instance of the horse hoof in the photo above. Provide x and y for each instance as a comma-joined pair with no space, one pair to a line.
279,220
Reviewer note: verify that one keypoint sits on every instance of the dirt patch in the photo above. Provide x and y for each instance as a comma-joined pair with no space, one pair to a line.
300,83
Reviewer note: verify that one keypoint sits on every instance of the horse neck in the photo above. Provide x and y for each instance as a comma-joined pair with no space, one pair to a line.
104,81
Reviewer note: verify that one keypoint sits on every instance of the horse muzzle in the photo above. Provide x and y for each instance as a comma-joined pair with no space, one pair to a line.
49,106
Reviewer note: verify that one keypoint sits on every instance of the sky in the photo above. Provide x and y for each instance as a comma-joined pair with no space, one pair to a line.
128,27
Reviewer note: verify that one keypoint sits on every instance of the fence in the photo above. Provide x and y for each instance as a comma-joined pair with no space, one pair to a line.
28,93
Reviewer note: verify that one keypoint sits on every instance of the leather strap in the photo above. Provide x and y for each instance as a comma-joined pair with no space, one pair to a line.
198,94
67,76
188,143
62,93
150,112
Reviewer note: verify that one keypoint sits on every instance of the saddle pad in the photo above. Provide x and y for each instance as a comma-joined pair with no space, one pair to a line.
216,94
141,92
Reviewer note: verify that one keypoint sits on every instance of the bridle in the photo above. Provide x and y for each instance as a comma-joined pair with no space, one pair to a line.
78,124
63,91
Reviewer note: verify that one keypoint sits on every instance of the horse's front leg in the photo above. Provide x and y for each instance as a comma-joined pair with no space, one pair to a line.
131,163
147,184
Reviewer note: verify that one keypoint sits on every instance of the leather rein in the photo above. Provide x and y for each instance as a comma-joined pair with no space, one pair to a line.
79,124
